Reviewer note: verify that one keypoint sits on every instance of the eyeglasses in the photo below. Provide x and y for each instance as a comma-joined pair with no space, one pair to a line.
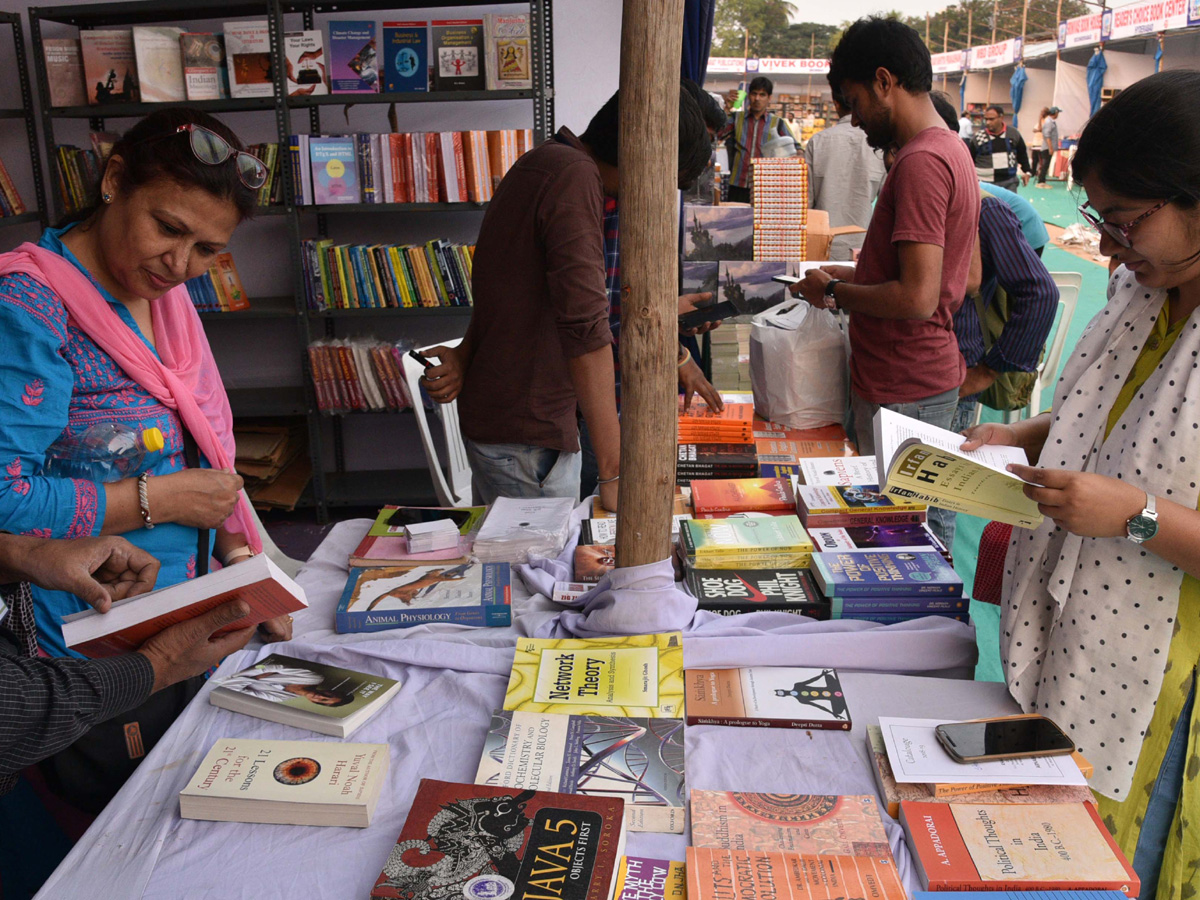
1120,233
212,150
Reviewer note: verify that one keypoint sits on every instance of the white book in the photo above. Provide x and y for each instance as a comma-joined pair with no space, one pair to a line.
377,151
450,167
385,164
159,63
304,53
306,183
839,470
248,57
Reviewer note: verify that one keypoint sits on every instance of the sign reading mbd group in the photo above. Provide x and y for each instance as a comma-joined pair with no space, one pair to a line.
991,56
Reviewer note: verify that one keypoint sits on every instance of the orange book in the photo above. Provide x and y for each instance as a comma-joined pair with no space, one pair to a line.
765,429
229,285
1014,847
723,874
947,789
717,499
495,148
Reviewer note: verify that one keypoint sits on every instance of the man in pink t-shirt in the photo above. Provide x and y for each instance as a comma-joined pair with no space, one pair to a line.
912,271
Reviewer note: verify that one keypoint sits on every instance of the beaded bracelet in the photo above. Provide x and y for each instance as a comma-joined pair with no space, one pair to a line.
144,500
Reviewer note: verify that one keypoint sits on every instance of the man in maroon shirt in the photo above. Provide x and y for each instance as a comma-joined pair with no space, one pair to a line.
912,271
539,344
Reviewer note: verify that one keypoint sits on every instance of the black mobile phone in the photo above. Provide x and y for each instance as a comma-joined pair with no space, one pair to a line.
714,312
414,515
786,279
1006,737
419,358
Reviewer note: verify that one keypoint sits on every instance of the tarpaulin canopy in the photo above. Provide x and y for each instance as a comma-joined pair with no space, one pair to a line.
1017,90
1096,68
697,38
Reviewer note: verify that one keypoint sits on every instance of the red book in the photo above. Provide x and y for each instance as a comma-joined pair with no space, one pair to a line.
714,499
1014,847
472,840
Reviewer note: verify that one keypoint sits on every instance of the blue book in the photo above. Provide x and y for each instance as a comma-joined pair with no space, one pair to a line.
848,607
353,65
885,573
334,170
1019,895
378,599
405,56
882,618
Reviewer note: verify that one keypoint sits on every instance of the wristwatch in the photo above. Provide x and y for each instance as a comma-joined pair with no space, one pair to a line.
1144,525
829,290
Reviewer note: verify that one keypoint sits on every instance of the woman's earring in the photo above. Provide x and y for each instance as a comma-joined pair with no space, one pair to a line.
106,197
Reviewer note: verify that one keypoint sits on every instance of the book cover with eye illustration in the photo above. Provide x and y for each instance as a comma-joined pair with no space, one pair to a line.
377,599
287,783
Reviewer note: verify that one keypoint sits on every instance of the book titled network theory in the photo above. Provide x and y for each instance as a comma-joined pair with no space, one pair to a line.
377,599
767,697
636,675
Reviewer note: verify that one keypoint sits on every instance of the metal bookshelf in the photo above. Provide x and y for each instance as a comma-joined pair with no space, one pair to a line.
27,112
337,487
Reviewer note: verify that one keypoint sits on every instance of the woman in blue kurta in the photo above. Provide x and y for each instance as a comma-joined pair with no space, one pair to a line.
95,326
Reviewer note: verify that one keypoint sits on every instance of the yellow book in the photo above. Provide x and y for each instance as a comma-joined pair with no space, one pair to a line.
636,676
401,277
348,299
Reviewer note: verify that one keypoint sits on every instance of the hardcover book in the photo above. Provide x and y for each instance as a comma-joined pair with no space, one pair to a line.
405,56
751,543
1014,847
377,599
131,622
354,66
203,61
732,591
64,72
508,60
767,697
723,874
637,675
815,824
839,506
287,783
457,50
718,499
159,63
248,58
109,68
838,470
639,878
472,840
885,573
638,759
334,170
304,56
305,694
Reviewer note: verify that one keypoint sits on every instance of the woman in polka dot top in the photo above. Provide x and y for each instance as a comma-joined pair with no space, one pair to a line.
1100,625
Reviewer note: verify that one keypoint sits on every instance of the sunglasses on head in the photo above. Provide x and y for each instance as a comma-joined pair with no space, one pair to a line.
212,150
1120,233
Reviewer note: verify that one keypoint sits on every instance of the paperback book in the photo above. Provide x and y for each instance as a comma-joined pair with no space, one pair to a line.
405,56
732,591
767,697
593,561
838,470
698,461
304,55
816,824
638,759
109,67
481,841
203,58
129,623
506,43
885,573
640,878
457,50
746,543
64,72
378,599
287,783
723,874
840,506
159,64
718,499
354,67
779,457
248,57
305,694
876,537
334,170
639,676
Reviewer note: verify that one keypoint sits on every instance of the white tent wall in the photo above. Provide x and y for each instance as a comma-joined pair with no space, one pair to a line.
1039,94
1071,96
1127,66
977,89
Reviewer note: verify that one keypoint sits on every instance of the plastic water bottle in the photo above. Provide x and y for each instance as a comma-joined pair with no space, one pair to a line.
106,452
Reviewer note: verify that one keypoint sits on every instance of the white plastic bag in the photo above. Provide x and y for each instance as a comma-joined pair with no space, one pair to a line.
798,366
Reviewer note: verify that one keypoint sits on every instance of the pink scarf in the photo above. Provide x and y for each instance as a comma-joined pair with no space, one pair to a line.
184,377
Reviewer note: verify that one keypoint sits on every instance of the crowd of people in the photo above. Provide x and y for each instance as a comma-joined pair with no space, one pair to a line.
1099,625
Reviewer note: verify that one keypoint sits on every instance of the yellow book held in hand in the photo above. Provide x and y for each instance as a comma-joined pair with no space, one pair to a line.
636,676
923,464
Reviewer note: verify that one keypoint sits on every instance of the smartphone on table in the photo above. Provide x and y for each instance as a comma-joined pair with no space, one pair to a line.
1005,737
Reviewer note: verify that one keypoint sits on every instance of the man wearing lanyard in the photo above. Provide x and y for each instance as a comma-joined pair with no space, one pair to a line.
999,151
745,135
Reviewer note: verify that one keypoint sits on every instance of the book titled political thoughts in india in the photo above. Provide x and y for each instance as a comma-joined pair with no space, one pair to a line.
476,841
767,697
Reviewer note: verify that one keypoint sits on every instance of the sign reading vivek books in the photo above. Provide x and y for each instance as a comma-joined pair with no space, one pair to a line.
355,68
405,56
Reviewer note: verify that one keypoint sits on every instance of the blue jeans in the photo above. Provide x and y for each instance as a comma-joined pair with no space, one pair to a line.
1160,811
519,470
937,410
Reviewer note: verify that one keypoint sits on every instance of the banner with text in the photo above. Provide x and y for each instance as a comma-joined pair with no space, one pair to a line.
1079,32
992,56
952,61
1141,19
793,66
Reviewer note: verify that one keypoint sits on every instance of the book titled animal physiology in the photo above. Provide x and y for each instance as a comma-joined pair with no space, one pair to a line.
377,599
636,675
767,697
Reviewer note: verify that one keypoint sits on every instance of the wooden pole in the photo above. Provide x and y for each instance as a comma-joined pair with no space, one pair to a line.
995,16
946,48
651,43
1057,22
812,52
970,41
926,29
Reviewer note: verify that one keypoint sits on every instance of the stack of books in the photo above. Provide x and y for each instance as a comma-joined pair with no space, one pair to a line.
386,543
731,356
720,499
220,288
695,462
780,209
516,529
890,586
781,449
11,203
840,506
273,460
358,375
769,542
386,276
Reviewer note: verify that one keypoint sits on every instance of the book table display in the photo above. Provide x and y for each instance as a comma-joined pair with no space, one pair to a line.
452,678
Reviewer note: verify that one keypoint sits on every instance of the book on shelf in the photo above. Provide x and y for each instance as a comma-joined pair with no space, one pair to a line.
354,63
203,58
287,783
893,791
722,874
815,824
358,375
265,452
159,63
11,203
719,499
504,842
248,59
304,693
761,542
109,67
885,573
129,623
838,470
406,56
77,175
334,166
644,878
731,591
639,759
767,697
877,537
509,61
634,675
382,598
456,49
383,276
64,72
1014,847
923,464
839,506
220,288
304,56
